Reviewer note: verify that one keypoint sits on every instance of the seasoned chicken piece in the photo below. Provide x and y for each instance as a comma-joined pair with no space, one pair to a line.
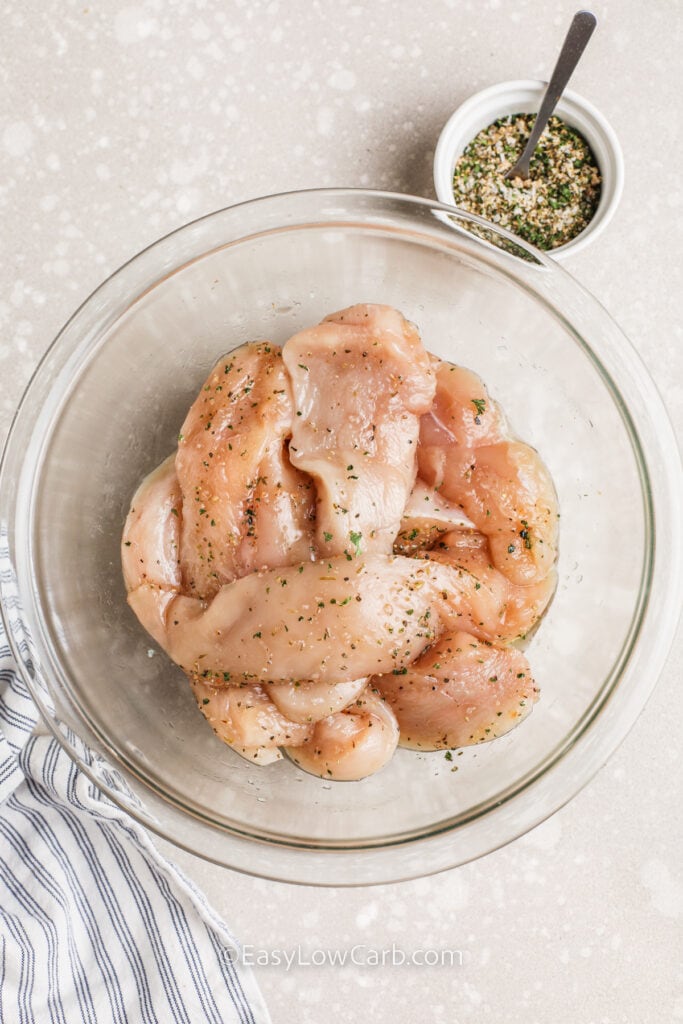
244,506
426,517
507,493
280,517
332,621
500,611
244,718
459,692
360,381
462,412
358,440
328,622
501,485
247,720
149,547
352,744
309,702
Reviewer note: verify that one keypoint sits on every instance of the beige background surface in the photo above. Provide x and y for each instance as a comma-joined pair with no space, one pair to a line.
119,123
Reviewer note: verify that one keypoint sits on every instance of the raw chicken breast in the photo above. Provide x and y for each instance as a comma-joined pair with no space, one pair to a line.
149,549
500,611
288,554
280,516
244,506
507,493
459,692
332,621
426,517
247,720
501,485
309,702
462,413
352,744
360,382
336,621
244,718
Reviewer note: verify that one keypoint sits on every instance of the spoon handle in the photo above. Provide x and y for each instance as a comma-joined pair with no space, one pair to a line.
580,31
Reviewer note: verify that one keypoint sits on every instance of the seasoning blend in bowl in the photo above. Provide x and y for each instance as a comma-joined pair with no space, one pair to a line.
557,202
576,174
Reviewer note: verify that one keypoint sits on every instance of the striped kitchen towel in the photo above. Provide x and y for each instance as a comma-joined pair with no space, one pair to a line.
95,925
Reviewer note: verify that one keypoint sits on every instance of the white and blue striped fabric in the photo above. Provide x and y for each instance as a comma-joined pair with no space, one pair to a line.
95,925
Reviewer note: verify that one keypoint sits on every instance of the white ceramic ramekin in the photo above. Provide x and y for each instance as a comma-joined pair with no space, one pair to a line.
524,97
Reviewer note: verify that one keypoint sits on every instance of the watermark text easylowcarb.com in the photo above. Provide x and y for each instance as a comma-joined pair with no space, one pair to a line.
358,955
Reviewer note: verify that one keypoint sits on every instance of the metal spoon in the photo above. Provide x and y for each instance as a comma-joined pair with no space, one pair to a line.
580,31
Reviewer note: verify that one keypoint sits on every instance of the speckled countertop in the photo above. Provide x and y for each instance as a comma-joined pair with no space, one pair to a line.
121,123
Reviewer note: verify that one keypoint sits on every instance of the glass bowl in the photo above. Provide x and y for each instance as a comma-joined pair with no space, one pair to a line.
104,408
